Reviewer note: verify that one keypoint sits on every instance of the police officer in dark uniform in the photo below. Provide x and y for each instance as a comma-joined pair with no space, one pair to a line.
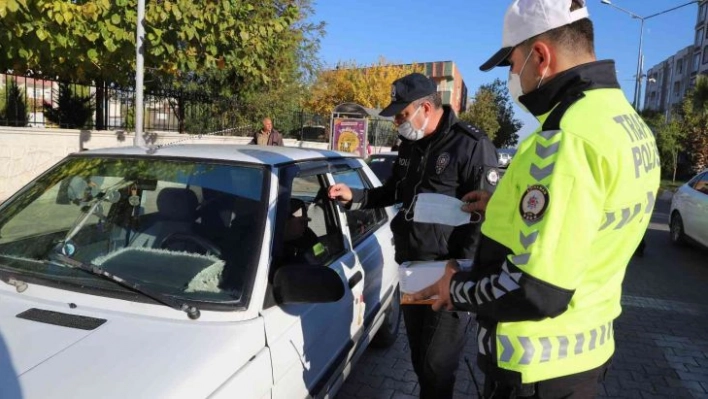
438,154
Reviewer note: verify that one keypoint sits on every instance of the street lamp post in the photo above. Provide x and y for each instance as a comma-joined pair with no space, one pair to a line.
139,140
638,81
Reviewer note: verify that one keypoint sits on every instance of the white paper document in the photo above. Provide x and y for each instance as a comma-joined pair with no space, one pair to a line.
415,276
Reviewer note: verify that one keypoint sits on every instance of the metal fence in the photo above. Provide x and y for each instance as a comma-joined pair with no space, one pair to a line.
37,102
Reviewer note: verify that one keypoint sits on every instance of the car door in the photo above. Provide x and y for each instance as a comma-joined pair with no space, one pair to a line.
369,231
311,342
699,210
688,199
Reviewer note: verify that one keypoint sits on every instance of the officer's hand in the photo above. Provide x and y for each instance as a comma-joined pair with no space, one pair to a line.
441,288
340,192
476,201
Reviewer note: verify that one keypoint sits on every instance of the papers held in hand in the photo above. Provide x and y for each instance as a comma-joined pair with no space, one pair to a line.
415,276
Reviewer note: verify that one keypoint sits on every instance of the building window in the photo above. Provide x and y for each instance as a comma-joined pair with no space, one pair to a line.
679,67
696,61
699,37
677,89
705,54
702,13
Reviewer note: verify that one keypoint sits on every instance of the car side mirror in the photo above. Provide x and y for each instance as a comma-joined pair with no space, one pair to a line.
307,284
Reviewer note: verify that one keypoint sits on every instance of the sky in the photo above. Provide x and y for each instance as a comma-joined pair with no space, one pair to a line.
469,31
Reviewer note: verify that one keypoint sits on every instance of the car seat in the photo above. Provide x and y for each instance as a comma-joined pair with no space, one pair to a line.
176,213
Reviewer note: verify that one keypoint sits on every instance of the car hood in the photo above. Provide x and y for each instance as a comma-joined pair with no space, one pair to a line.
128,356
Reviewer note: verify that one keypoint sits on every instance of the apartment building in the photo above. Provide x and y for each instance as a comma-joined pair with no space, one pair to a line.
668,81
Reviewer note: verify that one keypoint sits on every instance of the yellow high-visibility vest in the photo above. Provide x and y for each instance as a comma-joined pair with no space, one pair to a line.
572,208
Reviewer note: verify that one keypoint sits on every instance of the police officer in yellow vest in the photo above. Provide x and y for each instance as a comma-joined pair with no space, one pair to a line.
564,220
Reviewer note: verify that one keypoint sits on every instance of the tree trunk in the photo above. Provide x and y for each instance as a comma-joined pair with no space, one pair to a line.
180,114
100,106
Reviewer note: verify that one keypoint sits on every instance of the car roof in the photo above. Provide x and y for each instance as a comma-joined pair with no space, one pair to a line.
265,155
384,154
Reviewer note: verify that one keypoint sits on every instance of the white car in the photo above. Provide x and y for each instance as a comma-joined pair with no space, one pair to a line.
689,211
178,274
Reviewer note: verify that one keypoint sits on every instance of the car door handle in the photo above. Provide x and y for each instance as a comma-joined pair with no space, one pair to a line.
354,280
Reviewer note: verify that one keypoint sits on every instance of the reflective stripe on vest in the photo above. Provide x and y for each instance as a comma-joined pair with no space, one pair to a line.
534,350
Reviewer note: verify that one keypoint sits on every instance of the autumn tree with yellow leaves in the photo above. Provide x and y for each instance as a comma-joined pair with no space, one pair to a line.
368,86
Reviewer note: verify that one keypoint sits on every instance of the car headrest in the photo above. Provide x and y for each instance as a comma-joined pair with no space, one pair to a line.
177,204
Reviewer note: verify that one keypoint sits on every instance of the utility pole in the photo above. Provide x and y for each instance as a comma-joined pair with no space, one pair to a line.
139,140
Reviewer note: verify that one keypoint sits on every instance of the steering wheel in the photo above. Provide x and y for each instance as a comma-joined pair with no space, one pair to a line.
206,245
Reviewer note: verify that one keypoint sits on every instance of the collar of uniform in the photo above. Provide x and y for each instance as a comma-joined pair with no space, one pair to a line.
593,75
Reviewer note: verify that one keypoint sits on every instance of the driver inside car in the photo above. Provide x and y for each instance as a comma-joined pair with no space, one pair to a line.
301,244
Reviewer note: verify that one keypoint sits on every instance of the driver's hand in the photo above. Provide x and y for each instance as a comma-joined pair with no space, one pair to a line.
340,192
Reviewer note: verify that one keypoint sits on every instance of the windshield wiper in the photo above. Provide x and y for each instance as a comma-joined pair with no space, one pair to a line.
191,311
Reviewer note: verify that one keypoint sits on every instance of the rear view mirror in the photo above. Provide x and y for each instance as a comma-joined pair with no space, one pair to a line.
307,284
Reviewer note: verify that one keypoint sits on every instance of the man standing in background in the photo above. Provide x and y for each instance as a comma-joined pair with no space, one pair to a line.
267,135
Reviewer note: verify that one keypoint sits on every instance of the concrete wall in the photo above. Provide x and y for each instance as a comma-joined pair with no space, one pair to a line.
27,152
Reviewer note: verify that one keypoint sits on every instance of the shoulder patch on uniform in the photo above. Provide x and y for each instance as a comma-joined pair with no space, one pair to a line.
492,176
534,203
470,130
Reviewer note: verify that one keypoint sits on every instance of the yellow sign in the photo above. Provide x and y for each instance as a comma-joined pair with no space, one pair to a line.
348,141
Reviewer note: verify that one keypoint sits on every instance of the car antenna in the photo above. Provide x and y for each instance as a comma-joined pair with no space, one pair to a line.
153,148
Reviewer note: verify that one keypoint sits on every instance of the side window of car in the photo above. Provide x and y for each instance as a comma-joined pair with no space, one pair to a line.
701,183
361,222
312,234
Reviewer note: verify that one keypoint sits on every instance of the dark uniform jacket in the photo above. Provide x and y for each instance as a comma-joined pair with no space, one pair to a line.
456,159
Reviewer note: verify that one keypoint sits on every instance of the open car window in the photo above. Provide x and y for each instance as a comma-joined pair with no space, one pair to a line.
183,228
362,222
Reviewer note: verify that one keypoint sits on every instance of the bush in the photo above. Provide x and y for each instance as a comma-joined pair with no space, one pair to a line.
15,110
72,111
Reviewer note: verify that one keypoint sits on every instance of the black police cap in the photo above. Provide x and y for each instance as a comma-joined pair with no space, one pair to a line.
406,90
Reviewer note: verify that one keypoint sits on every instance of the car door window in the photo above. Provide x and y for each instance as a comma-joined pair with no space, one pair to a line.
361,222
701,184
311,232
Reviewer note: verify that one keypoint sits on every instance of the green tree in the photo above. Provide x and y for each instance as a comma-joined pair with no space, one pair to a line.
96,38
483,112
507,136
3,98
695,117
670,139
69,109
220,47
14,112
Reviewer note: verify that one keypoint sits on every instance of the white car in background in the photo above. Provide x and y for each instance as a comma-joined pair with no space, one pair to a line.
167,275
505,156
689,211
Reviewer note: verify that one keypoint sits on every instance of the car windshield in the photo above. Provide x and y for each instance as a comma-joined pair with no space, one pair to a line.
187,229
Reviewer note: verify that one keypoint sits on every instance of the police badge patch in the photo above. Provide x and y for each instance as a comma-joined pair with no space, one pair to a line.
492,177
393,93
534,203
442,162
